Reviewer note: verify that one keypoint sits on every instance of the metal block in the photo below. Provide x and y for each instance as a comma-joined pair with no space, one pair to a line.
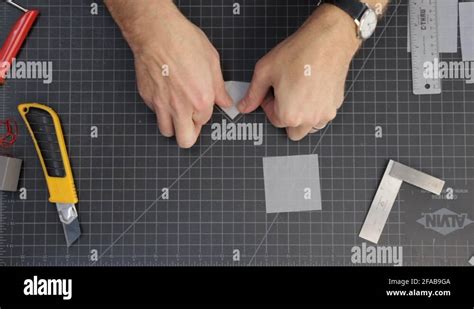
9,173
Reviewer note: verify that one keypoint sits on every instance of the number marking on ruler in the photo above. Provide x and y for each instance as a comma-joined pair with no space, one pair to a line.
424,46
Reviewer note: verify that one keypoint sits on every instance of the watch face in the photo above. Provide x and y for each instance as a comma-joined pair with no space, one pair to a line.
368,24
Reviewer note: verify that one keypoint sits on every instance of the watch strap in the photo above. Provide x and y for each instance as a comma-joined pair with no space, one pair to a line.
354,8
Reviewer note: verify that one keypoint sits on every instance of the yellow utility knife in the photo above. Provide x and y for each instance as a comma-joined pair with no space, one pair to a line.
45,129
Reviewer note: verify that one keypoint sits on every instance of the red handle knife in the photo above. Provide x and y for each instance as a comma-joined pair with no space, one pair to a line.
15,40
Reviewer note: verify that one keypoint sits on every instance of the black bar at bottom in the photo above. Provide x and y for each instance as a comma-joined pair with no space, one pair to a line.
239,285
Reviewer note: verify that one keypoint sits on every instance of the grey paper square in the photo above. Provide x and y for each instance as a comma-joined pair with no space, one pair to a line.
448,26
237,91
287,180
466,22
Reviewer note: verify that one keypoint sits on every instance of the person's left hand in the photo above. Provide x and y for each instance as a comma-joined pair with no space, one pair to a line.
307,73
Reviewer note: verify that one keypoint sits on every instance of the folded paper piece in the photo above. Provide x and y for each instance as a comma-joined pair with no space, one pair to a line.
466,22
237,90
292,184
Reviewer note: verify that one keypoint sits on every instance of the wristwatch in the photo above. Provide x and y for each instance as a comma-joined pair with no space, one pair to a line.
363,15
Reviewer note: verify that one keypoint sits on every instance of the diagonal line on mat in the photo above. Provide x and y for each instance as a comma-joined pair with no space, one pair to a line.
326,129
240,117
263,239
154,202
362,68
210,147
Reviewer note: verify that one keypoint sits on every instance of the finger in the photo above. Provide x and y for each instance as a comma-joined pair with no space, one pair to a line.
186,131
340,102
269,108
297,134
258,90
320,126
144,85
203,116
150,105
165,123
223,99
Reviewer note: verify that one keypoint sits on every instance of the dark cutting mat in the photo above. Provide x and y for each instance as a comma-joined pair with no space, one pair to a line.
216,208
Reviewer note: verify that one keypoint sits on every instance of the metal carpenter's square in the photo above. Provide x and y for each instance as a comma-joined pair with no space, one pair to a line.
394,176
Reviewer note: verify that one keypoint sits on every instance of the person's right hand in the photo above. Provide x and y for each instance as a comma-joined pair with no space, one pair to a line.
178,70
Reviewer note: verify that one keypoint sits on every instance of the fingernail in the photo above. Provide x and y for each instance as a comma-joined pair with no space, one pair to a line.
229,102
241,106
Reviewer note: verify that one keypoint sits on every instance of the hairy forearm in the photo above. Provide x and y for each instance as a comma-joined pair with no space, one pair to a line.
127,12
134,17
327,15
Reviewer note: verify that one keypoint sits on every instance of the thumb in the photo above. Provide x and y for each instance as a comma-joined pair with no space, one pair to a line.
223,99
268,107
256,94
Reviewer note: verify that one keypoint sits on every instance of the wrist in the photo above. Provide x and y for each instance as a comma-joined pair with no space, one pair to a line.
340,28
379,6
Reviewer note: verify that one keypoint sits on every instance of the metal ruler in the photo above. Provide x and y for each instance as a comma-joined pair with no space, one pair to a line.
3,241
4,99
392,180
424,46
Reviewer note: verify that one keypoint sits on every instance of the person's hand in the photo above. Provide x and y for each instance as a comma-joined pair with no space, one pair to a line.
178,70
307,73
